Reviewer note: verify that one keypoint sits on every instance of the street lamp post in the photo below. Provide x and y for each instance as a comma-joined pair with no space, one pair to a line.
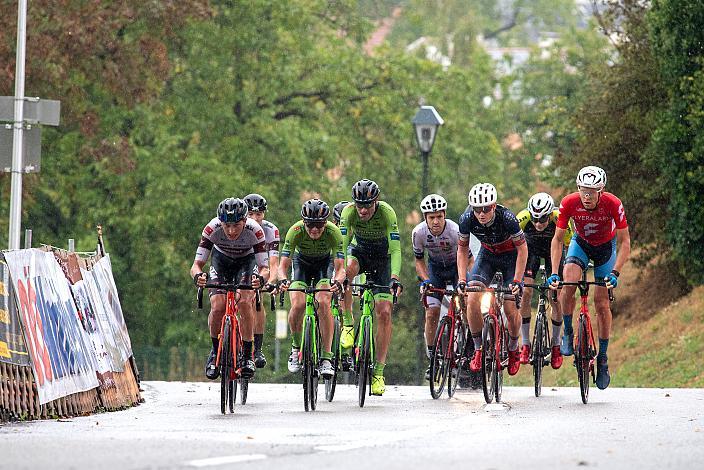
426,123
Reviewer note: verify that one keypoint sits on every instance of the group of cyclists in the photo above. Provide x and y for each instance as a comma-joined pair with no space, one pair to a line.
589,225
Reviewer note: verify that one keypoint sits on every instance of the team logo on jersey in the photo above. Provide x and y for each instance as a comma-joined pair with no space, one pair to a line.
208,230
590,229
276,233
259,234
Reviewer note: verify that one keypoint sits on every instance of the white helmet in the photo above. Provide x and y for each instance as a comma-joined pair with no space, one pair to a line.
482,195
591,177
540,205
433,203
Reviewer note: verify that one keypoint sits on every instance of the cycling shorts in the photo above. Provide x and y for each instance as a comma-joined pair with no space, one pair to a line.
603,256
225,269
440,276
488,264
376,267
309,271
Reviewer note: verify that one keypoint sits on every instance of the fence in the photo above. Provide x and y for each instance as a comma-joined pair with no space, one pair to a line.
64,346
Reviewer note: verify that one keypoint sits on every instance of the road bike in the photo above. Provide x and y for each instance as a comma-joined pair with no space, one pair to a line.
364,338
494,336
230,355
584,344
540,347
450,340
309,353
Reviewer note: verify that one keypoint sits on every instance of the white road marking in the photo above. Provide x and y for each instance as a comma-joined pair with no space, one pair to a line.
225,460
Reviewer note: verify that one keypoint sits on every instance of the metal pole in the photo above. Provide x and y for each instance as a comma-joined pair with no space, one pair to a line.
17,147
422,351
424,185
71,245
28,239
277,354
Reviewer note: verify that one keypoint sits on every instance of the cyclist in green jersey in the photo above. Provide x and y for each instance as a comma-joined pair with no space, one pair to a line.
314,247
376,252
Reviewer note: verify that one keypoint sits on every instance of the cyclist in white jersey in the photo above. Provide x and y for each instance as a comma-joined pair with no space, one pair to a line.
238,249
256,204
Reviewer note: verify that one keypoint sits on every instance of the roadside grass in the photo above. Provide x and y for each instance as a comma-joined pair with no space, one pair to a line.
665,350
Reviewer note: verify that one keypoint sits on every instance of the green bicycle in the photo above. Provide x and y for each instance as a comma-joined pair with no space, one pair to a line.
309,350
364,338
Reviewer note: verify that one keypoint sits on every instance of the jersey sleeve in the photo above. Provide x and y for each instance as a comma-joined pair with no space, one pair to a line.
206,243
569,231
514,228
523,218
337,250
416,239
464,230
261,255
394,241
273,243
619,213
564,214
290,241
346,228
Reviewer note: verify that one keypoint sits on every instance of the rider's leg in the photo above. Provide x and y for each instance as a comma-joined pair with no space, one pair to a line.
525,311
295,317
351,270
383,330
432,315
217,311
573,273
603,314
326,321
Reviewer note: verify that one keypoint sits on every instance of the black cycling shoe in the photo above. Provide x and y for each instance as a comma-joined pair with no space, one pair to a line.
248,369
346,363
475,379
259,359
427,373
211,371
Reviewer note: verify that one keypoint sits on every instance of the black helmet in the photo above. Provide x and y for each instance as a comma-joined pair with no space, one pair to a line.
315,210
337,210
255,202
365,191
232,210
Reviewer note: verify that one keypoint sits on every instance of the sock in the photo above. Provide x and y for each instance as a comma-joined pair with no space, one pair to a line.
568,324
247,349
525,330
477,338
379,368
556,332
327,355
512,343
216,343
258,340
296,339
431,351
347,319
603,346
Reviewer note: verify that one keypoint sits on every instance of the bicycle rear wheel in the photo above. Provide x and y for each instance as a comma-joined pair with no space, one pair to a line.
503,356
364,361
225,369
582,359
488,359
439,363
458,358
538,353
307,364
331,383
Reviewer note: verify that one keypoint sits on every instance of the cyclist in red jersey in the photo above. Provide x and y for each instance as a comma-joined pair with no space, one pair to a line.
601,232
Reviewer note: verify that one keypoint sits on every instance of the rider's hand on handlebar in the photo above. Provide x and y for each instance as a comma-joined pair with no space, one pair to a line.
424,285
516,287
611,279
257,281
396,287
200,279
554,281
336,286
283,285
461,286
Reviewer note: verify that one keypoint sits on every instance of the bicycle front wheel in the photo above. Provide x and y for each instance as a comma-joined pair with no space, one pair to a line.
308,366
458,359
331,383
488,359
538,354
225,368
364,361
439,363
503,358
582,359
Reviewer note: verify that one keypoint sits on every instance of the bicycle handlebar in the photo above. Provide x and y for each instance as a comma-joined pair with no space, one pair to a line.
503,290
228,286
370,285
588,283
436,290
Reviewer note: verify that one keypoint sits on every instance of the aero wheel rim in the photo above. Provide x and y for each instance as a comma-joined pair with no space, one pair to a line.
364,379
437,361
488,361
538,357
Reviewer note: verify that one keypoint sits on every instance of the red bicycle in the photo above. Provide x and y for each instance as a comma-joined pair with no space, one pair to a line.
450,339
584,344
230,357
494,336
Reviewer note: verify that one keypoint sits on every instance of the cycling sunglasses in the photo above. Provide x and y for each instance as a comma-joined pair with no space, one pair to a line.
541,220
364,205
319,224
485,209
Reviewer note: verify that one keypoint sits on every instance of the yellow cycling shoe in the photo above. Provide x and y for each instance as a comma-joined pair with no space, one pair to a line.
378,385
347,337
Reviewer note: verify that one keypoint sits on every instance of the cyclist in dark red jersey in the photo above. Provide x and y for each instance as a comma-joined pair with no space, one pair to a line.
601,232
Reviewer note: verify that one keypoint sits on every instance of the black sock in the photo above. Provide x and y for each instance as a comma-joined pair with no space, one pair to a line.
247,349
258,340
216,343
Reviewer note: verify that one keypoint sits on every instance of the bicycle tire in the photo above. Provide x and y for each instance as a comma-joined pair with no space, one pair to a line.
244,388
363,377
458,359
315,371
499,370
488,359
307,368
330,384
225,366
439,365
538,355
232,394
582,360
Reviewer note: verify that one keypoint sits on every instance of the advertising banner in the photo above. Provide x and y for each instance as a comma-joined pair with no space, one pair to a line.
62,356
12,348
106,290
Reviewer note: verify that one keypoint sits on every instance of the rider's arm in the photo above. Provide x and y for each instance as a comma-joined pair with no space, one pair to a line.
337,251
288,249
462,258
203,251
623,248
346,229
556,249
274,255
419,252
197,267
521,260
422,269
394,243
